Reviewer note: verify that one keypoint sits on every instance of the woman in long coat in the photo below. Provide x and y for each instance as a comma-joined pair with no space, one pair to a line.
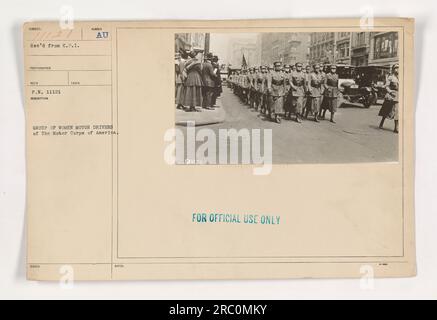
193,83
390,107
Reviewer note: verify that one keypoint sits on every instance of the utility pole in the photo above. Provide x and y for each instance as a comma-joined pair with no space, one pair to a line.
334,51
207,37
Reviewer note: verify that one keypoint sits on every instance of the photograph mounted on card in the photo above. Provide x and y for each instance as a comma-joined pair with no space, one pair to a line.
258,149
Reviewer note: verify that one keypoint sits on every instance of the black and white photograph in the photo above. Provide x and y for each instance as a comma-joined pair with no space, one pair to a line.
218,159
327,97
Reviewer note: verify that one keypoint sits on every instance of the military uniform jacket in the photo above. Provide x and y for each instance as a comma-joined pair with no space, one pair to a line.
298,84
392,87
331,85
315,84
276,84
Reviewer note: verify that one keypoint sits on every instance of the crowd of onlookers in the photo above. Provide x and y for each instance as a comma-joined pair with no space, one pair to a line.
198,80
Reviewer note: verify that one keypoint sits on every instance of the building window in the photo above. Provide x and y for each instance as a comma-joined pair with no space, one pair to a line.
343,50
361,39
386,46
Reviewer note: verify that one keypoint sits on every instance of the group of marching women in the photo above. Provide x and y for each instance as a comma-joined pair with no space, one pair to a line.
283,90
198,81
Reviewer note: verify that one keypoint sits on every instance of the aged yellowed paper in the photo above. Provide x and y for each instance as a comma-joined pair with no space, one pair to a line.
220,149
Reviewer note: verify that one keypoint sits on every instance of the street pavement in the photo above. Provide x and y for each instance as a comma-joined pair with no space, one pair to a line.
354,138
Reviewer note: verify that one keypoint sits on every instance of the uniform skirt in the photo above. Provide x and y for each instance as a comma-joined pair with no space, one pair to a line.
288,103
192,96
277,104
389,109
324,103
314,105
330,104
298,104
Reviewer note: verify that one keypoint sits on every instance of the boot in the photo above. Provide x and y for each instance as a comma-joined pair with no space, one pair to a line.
396,126
332,118
298,119
277,118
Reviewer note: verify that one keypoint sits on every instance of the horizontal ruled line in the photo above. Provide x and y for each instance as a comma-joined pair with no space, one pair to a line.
69,85
69,55
73,70
78,40
228,262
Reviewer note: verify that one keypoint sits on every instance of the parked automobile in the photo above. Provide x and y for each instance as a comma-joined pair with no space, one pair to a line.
372,77
367,86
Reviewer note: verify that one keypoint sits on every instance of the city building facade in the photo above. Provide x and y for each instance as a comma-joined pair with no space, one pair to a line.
360,46
321,47
384,48
343,47
330,47
289,48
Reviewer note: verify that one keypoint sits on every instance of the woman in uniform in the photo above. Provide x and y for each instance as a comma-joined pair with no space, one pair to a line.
276,89
288,103
330,94
298,90
315,90
307,99
390,107
263,90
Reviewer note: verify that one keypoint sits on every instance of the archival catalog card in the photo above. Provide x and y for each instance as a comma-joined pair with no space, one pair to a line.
262,149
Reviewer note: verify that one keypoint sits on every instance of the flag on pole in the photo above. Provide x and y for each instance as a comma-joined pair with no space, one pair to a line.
244,63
